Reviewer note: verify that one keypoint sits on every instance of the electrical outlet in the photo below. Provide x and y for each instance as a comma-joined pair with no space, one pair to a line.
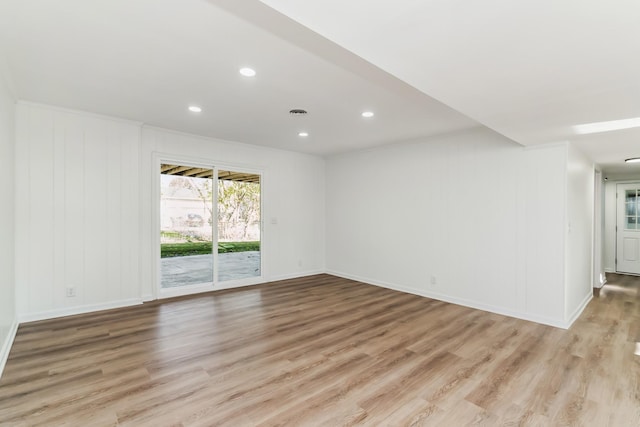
71,291
299,263
434,281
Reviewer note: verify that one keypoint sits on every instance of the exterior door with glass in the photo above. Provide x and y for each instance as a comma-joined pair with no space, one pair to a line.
628,228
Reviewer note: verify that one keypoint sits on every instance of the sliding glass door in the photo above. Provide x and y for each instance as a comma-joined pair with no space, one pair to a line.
186,225
238,225
210,228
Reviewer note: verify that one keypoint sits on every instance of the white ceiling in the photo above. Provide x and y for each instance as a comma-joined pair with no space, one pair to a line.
530,70
147,60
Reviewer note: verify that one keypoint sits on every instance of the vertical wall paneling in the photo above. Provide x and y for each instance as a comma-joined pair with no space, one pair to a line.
598,227
131,225
113,213
79,212
40,216
95,221
471,218
545,207
22,230
293,193
609,232
73,194
579,232
8,320
59,209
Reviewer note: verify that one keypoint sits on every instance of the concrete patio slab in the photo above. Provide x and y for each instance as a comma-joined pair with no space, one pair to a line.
191,270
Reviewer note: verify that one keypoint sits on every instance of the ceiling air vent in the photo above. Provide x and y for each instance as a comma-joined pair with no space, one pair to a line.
297,112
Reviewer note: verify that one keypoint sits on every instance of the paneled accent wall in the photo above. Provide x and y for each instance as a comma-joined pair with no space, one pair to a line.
471,218
8,321
293,200
580,230
77,206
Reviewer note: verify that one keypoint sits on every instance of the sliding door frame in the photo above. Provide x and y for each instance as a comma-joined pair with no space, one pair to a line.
160,158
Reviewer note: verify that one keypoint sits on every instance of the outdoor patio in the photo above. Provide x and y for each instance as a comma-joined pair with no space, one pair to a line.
191,270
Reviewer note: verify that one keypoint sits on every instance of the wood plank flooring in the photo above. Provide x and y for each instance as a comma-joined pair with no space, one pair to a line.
326,351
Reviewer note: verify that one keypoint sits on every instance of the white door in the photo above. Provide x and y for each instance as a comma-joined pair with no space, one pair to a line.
628,228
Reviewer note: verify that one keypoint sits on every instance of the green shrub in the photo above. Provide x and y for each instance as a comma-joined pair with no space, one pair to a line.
202,248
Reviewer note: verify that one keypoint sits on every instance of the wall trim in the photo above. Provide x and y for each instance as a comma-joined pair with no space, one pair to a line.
578,311
78,112
6,345
148,298
295,275
229,142
83,309
557,323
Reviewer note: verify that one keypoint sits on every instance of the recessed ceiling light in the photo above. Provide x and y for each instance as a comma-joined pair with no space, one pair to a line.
633,160
195,109
367,114
598,127
247,72
303,134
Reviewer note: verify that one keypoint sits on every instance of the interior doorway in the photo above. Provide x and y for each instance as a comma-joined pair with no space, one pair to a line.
628,228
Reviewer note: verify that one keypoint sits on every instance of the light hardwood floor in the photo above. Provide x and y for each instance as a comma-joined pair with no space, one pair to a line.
326,351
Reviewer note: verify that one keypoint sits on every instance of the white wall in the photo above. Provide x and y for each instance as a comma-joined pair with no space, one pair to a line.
483,218
83,203
8,321
77,222
598,230
292,193
609,235
541,212
481,215
579,246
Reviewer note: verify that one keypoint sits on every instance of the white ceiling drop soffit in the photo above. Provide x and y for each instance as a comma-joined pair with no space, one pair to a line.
531,70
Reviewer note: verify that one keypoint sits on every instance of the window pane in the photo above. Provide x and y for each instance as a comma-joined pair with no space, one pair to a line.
238,225
631,196
631,223
186,206
631,209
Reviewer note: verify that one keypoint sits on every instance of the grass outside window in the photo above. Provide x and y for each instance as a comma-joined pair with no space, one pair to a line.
203,248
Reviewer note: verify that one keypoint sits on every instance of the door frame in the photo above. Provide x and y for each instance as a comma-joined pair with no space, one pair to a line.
158,292
599,276
618,183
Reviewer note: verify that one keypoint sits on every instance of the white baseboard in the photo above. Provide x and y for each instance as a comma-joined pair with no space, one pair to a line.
600,283
578,311
296,275
609,270
70,311
558,323
6,345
